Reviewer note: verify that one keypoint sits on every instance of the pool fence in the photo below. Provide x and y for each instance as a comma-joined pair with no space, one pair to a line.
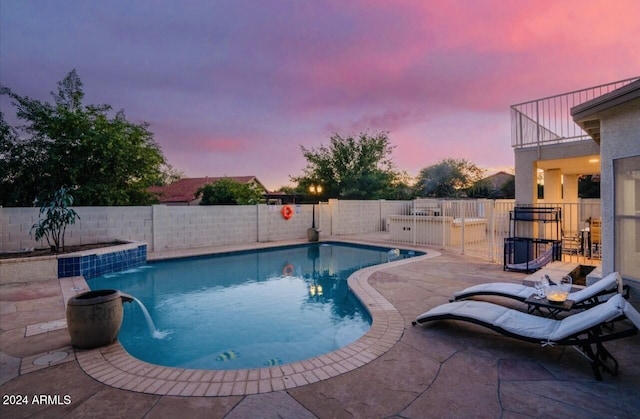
475,227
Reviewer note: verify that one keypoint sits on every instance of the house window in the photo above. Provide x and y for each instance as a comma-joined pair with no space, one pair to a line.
627,216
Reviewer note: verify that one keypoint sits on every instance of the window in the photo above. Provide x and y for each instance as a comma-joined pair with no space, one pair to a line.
627,216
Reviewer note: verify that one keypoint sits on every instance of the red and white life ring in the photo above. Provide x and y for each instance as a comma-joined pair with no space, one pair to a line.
287,212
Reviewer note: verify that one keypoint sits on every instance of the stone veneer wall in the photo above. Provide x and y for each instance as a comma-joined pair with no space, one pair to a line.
176,227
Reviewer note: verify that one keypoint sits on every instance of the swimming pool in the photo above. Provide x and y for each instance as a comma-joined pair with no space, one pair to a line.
245,309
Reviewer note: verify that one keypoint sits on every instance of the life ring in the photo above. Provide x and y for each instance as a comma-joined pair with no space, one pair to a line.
287,270
287,212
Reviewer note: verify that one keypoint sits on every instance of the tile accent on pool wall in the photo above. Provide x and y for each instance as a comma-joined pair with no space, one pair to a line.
113,366
96,264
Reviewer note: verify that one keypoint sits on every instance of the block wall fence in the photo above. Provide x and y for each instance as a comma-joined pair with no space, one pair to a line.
177,227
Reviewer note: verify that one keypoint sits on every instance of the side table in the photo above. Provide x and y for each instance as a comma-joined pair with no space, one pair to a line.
551,309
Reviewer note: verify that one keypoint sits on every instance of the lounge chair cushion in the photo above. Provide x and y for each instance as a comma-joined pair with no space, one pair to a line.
473,309
513,321
520,291
606,283
632,314
527,325
589,318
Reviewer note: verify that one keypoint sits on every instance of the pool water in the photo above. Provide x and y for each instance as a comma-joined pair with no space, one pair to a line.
245,309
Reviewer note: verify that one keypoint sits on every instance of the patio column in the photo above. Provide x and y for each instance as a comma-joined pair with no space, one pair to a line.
552,186
570,188
526,176
570,199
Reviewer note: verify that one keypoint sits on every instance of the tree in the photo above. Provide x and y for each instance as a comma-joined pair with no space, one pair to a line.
480,189
450,178
103,158
508,190
229,192
488,189
351,168
170,174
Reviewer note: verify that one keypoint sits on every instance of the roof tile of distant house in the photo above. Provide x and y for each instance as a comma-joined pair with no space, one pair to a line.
184,190
496,180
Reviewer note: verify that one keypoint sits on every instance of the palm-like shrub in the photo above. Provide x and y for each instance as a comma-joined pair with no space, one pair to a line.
57,215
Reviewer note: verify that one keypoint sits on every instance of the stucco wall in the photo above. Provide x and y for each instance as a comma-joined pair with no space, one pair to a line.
620,133
526,164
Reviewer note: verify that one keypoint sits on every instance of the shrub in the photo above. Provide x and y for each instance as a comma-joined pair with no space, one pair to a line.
57,216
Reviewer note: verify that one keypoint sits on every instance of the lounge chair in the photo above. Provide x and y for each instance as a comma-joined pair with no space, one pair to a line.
583,298
533,265
581,330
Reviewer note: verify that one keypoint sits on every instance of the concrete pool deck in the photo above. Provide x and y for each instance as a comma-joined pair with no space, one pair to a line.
449,369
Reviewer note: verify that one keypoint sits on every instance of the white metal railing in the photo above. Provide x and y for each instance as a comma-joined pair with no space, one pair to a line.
548,120
472,227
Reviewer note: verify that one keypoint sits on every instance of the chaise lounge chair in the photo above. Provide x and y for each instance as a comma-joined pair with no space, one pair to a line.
584,298
533,265
581,330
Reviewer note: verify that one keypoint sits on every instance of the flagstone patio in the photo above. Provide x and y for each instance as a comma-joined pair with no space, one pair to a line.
446,369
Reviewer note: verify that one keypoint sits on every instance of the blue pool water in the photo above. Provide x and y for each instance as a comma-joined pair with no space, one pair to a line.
245,309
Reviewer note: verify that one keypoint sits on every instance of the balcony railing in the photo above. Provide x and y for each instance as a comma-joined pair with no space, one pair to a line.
548,120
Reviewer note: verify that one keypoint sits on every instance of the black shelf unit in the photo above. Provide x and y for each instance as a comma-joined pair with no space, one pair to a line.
528,254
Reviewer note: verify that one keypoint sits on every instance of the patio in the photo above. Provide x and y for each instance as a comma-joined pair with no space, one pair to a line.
442,370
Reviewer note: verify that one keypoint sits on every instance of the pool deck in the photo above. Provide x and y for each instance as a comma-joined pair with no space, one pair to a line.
448,369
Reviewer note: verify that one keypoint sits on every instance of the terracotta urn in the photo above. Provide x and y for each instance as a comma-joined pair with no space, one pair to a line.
94,318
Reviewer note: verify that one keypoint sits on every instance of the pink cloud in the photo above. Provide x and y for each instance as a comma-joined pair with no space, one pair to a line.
240,85
219,145
470,54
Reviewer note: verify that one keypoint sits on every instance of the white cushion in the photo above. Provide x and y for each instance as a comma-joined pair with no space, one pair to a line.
524,292
589,318
505,288
535,327
514,321
631,313
608,282
479,310
527,325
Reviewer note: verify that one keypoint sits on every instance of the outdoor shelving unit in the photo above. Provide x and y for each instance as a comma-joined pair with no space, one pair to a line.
528,254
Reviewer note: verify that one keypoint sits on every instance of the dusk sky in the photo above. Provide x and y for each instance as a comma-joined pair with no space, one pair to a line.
235,87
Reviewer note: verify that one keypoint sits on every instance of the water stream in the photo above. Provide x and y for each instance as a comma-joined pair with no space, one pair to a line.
157,334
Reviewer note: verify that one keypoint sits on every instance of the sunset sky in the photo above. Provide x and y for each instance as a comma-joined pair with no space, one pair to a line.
235,87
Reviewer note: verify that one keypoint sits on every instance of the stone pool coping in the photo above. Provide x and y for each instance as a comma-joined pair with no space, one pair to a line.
113,366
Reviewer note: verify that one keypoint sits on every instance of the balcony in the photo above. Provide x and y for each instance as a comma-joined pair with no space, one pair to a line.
548,120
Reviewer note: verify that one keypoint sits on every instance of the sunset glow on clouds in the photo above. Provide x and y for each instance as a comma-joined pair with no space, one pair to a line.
235,87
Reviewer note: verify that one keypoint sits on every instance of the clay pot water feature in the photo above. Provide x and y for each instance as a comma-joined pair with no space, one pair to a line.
94,318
